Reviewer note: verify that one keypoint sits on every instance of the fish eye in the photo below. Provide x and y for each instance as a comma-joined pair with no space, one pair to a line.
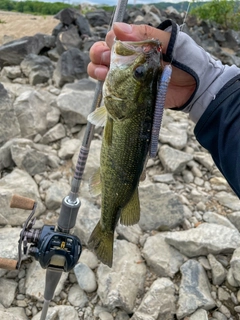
139,72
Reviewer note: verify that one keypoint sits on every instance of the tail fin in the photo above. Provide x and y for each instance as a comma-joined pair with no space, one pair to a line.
102,243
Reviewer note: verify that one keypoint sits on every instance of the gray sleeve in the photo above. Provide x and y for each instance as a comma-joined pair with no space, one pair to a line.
210,74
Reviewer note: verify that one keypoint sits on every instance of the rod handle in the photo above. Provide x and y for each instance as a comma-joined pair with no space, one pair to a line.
8,264
22,202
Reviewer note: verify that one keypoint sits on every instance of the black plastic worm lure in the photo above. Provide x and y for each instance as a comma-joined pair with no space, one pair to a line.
159,107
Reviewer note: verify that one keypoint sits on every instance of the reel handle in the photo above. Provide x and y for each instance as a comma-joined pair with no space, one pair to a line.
9,264
22,202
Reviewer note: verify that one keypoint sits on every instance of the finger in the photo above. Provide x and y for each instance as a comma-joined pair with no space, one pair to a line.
97,72
100,53
127,32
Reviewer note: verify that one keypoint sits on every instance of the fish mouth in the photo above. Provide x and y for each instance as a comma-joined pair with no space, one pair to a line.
128,48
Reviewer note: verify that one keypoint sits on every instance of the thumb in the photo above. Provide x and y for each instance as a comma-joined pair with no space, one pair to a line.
128,32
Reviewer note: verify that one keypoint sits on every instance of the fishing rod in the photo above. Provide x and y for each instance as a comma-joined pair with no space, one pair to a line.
56,249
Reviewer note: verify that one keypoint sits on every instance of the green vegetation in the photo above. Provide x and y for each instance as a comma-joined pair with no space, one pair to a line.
224,12
34,7
2,21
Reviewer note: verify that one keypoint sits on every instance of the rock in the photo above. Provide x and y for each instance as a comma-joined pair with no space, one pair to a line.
71,65
219,316
27,158
212,217
56,133
7,292
158,303
11,72
9,126
206,238
194,289
98,18
205,159
13,52
17,182
77,297
83,26
169,209
175,137
163,259
60,313
67,16
200,314
6,156
52,117
31,109
75,106
89,258
218,271
173,160
164,178
88,217
228,200
17,312
35,281
235,265
55,194
234,217
85,277
120,285
68,148
38,69
105,316
68,39
130,233
9,238
8,316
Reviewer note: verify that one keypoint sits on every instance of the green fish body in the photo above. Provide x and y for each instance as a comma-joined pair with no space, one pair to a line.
129,99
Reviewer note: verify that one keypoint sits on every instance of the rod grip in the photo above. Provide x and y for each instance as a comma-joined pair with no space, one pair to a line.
8,264
21,202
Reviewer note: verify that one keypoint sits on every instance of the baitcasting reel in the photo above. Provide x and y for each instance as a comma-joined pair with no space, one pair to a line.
52,248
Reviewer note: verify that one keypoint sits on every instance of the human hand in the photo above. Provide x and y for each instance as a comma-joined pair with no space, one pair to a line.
182,84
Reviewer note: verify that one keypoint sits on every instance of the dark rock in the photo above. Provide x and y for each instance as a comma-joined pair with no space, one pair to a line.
59,28
83,26
68,39
219,36
71,65
231,41
87,43
67,16
191,21
98,18
12,53
38,69
53,54
206,26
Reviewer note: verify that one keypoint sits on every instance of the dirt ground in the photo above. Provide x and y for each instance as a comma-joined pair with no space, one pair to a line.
15,25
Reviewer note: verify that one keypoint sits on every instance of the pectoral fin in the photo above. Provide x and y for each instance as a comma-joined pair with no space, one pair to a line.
98,117
95,184
131,212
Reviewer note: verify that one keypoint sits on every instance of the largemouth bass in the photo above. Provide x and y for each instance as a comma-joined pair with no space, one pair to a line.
129,94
